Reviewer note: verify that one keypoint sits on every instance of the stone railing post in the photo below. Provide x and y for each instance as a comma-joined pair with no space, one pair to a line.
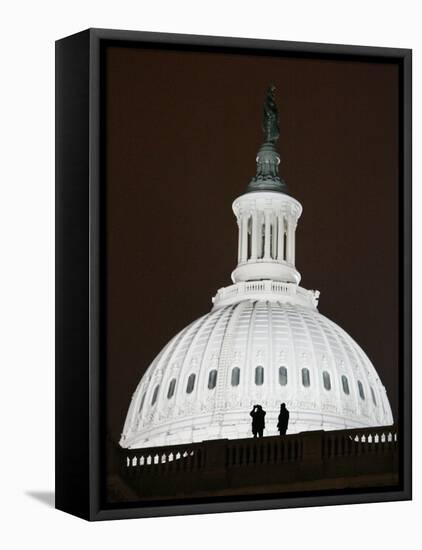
215,465
312,460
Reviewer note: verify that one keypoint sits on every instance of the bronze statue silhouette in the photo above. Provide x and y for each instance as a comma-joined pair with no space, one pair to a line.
270,124
283,419
258,420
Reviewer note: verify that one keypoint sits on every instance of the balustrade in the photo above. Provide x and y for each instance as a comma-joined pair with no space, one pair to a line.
291,449
272,287
357,442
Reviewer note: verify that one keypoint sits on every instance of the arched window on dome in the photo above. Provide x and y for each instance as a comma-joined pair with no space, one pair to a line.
259,376
191,383
212,379
282,376
326,380
235,377
360,388
155,394
374,400
172,386
306,379
345,384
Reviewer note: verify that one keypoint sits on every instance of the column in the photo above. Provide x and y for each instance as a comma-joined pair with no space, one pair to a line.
239,242
291,226
260,229
267,241
254,235
244,223
280,238
294,224
274,237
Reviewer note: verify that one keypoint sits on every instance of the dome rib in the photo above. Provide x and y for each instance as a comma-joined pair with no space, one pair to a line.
187,360
169,359
315,365
369,376
292,353
270,368
334,365
226,354
217,316
333,329
247,363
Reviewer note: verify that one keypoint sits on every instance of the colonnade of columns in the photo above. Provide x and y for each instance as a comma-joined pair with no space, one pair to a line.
266,235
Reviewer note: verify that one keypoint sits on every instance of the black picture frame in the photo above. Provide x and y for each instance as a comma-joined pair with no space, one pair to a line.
80,271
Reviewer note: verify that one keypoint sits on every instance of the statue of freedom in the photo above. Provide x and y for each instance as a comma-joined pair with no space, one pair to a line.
270,125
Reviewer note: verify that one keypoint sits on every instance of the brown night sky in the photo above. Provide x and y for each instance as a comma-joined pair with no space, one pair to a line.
182,132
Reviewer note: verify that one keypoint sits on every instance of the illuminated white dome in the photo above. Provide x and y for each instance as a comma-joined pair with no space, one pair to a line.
206,380
264,342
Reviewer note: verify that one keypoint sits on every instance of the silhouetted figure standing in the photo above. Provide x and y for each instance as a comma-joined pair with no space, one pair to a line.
258,420
283,419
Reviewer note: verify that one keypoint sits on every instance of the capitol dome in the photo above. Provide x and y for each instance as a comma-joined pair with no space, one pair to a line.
264,342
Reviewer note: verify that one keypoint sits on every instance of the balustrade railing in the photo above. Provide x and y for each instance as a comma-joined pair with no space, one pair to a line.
296,448
378,440
268,450
165,460
272,287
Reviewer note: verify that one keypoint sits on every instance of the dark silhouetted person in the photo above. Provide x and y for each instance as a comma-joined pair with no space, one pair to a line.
283,419
258,420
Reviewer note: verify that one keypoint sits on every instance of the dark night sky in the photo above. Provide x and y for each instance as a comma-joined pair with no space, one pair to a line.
182,132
